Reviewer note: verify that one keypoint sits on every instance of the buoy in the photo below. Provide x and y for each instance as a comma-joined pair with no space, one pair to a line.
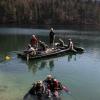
7,57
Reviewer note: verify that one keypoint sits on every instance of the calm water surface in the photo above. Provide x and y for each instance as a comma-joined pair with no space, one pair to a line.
81,72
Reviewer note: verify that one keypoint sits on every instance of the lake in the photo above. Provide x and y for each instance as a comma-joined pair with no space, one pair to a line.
80,72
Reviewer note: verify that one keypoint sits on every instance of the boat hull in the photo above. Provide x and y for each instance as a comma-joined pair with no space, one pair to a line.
56,52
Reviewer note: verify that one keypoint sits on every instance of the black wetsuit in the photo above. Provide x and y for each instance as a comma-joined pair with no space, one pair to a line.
49,84
43,46
39,89
51,37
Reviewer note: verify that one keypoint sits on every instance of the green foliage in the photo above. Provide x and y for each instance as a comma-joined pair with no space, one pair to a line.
44,12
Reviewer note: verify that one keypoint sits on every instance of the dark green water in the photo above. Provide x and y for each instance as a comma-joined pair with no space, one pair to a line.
79,72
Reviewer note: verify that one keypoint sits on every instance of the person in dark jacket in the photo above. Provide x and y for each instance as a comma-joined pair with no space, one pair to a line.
51,37
49,85
39,88
43,46
49,82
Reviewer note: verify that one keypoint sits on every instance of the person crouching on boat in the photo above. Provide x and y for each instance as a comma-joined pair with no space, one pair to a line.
34,41
71,45
61,42
39,88
30,51
43,46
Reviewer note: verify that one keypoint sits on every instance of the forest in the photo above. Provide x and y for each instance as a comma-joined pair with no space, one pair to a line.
49,12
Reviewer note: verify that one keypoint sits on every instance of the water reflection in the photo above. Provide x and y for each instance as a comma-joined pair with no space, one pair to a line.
71,56
32,67
36,65
51,64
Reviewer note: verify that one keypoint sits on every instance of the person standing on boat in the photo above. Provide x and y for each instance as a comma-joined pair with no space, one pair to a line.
51,37
34,41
